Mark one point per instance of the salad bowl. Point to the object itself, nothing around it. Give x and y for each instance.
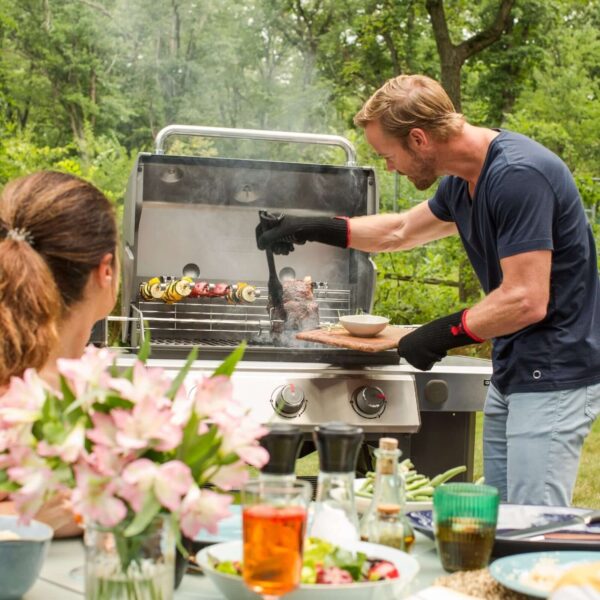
(232, 585)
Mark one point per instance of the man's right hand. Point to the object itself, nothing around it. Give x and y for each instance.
(282, 232)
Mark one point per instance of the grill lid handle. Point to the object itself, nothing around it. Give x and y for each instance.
(257, 134)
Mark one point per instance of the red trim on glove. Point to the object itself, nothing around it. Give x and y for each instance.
(467, 330)
(347, 219)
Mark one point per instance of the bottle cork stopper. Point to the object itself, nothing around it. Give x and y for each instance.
(388, 509)
(386, 443)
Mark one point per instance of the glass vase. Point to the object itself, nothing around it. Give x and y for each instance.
(139, 567)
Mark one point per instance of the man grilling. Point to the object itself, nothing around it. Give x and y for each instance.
(520, 218)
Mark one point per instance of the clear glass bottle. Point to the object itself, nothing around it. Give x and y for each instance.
(389, 484)
(283, 443)
(335, 518)
(391, 528)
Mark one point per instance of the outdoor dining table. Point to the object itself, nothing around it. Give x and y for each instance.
(62, 574)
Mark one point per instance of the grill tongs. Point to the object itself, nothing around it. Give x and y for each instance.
(278, 312)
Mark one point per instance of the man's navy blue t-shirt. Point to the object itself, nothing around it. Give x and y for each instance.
(526, 200)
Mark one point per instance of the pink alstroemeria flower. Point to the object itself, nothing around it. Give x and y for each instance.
(23, 400)
(107, 461)
(146, 383)
(94, 497)
(231, 477)
(148, 424)
(104, 431)
(70, 449)
(87, 376)
(183, 404)
(203, 509)
(213, 395)
(36, 478)
(169, 482)
(241, 436)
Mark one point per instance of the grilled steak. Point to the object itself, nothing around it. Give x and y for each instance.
(301, 310)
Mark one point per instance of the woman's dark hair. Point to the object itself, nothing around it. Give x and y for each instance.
(54, 230)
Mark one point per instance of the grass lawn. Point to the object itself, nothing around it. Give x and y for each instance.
(587, 489)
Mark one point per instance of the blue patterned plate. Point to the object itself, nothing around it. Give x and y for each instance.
(513, 516)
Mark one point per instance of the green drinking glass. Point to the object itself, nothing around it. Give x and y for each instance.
(465, 517)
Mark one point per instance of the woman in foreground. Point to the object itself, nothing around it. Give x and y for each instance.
(58, 276)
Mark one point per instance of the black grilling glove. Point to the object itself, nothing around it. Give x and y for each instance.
(281, 232)
(429, 343)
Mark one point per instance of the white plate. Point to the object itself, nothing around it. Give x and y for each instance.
(362, 503)
(515, 572)
(233, 588)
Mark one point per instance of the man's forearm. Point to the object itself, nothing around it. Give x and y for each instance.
(503, 312)
(403, 231)
(377, 233)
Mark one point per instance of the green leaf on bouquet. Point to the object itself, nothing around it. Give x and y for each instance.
(149, 510)
(196, 449)
(176, 384)
(202, 458)
(228, 459)
(53, 432)
(145, 348)
(6, 485)
(68, 397)
(227, 367)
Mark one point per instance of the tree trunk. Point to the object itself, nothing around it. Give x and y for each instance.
(453, 56)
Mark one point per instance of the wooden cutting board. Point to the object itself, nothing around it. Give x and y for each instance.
(386, 340)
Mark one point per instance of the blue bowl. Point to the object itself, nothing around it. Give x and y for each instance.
(21, 560)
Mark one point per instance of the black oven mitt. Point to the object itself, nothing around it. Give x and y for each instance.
(428, 344)
(282, 232)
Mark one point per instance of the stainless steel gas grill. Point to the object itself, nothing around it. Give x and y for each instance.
(195, 217)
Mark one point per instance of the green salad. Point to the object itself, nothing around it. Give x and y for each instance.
(326, 563)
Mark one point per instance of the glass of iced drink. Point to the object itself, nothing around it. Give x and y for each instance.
(465, 517)
(274, 525)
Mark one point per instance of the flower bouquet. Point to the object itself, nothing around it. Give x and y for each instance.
(142, 458)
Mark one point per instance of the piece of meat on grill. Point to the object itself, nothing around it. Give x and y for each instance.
(300, 307)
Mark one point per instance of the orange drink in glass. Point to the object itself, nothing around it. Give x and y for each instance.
(274, 524)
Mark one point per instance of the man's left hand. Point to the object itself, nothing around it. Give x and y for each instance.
(428, 344)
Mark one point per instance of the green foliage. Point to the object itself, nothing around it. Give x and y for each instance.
(84, 86)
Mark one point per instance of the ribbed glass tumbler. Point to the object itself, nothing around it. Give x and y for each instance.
(465, 517)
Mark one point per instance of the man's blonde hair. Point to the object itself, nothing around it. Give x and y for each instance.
(410, 101)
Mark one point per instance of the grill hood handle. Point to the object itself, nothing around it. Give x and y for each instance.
(257, 134)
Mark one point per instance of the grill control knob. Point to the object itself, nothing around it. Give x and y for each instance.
(368, 401)
(289, 401)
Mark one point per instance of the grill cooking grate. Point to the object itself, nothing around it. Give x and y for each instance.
(215, 323)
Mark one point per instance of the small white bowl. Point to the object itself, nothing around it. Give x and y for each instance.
(364, 325)
(233, 587)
